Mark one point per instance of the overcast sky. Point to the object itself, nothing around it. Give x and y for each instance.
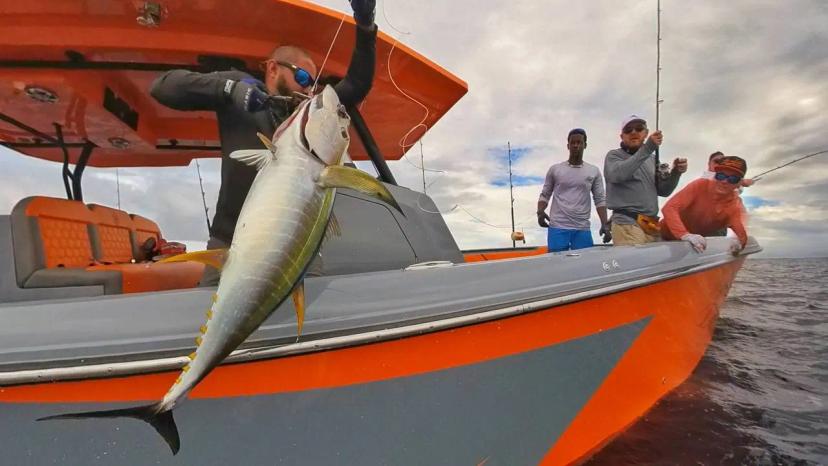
(744, 77)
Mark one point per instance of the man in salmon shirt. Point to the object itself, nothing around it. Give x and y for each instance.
(707, 205)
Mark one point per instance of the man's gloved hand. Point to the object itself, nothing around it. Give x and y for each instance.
(606, 233)
(735, 246)
(697, 241)
(543, 219)
(249, 95)
(364, 12)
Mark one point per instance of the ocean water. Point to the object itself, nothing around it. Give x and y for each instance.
(760, 394)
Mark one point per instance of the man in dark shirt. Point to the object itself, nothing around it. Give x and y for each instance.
(243, 109)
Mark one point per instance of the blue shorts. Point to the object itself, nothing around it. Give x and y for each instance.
(559, 239)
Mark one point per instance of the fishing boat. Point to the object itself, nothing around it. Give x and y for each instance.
(413, 351)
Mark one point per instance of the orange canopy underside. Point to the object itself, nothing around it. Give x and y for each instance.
(110, 107)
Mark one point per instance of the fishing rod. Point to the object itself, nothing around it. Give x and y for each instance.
(422, 165)
(658, 99)
(757, 177)
(118, 187)
(203, 196)
(658, 65)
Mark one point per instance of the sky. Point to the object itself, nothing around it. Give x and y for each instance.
(744, 77)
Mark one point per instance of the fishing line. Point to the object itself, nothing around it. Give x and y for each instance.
(420, 206)
(479, 220)
(403, 142)
(328, 54)
(390, 24)
(758, 177)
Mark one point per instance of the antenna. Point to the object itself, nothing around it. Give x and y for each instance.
(511, 191)
(203, 198)
(118, 187)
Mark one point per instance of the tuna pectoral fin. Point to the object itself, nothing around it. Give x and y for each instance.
(213, 257)
(162, 422)
(338, 176)
(299, 304)
(254, 158)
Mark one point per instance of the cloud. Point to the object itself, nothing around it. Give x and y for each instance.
(752, 202)
(744, 77)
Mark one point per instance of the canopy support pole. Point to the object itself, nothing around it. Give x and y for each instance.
(67, 174)
(80, 166)
(371, 147)
(73, 188)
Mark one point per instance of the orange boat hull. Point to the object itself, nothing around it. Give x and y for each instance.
(670, 322)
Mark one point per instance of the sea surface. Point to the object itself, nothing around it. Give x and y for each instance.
(760, 394)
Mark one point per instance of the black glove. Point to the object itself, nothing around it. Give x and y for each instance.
(364, 12)
(606, 232)
(543, 219)
(248, 95)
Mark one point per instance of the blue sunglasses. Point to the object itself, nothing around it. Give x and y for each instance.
(732, 179)
(300, 75)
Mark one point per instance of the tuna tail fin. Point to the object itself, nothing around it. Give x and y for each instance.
(161, 421)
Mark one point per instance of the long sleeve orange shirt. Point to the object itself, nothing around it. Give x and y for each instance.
(698, 209)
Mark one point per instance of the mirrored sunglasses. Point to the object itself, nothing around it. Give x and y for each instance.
(636, 128)
(732, 179)
(300, 75)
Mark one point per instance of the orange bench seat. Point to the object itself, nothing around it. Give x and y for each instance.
(59, 243)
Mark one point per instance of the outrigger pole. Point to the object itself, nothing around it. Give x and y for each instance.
(511, 191)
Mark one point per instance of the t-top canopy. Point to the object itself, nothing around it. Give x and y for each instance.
(80, 72)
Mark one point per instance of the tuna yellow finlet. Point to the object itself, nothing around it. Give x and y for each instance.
(198, 340)
(203, 329)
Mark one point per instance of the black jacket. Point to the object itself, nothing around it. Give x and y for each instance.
(186, 90)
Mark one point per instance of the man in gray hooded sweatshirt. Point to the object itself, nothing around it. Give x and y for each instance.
(633, 186)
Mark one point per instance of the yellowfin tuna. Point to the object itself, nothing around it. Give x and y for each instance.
(278, 233)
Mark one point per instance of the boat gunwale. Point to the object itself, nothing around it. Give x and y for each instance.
(163, 364)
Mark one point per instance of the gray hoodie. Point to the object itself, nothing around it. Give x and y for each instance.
(631, 184)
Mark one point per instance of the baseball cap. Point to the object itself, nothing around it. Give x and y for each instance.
(631, 119)
(732, 165)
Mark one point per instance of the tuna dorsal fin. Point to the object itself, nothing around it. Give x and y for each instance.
(266, 141)
(213, 257)
(161, 421)
(338, 176)
(258, 158)
(299, 304)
